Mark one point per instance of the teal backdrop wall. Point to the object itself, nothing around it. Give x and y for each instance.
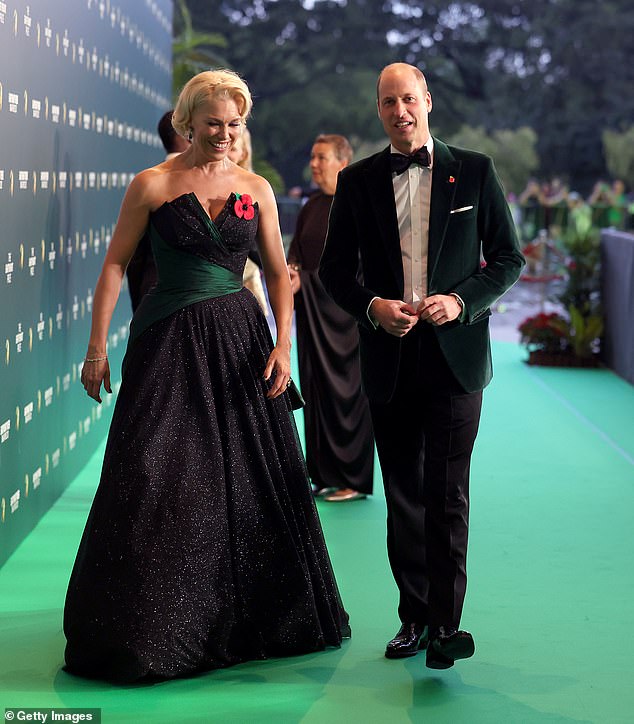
(83, 84)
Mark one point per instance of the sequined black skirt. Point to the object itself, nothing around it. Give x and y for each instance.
(203, 547)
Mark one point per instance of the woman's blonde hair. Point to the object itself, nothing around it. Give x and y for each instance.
(221, 83)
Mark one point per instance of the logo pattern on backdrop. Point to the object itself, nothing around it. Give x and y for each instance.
(82, 86)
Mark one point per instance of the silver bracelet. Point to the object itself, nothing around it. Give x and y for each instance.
(95, 359)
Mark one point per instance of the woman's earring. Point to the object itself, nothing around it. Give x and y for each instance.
(190, 135)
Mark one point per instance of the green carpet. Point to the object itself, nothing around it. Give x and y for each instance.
(550, 590)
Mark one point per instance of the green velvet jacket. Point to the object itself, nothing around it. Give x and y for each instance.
(363, 226)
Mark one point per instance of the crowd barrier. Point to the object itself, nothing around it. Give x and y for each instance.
(617, 290)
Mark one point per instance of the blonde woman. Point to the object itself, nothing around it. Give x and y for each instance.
(203, 548)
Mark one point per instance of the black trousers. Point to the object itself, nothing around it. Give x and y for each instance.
(425, 438)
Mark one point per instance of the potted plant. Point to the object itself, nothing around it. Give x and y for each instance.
(545, 337)
(572, 340)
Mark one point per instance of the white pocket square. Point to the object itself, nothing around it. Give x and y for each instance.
(462, 208)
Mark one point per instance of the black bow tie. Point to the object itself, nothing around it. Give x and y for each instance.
(401, 163)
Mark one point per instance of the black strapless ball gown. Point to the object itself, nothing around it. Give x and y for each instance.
(203, 547)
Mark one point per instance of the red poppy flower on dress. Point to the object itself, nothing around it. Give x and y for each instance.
(244, 207)
(452, 180)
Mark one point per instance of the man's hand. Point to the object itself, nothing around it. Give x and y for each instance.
(439, 309)
(395, 317)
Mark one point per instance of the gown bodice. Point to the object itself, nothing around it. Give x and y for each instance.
(185, 226)
(197, 258)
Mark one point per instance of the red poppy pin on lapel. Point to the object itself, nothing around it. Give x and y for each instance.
(452, 180)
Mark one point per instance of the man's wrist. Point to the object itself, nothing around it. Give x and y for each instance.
(369, 314)
(460, 301)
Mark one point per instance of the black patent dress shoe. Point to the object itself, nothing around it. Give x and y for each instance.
(322, 492)
(410, 639)
(448, 645)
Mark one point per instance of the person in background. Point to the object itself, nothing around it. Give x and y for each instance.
(555, 206)
(618, 205)
(203, 546)
(338, 426)
(600, 199)
(531, 204)
(579, 212)
(241, 153)
(419, 215)
(173, 143)
(141, 271)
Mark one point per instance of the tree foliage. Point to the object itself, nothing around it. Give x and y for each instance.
(561, 67)
(192, 51)
(512, 151)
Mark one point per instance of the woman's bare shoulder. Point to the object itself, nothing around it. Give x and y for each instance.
(151, 186)
(257, 187)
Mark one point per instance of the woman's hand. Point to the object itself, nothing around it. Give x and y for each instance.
(93, 374)
(296, 281)
(278, 367)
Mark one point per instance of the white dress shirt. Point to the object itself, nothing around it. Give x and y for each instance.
(412, 195)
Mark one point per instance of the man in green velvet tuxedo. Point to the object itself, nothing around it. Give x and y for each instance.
(437, 245)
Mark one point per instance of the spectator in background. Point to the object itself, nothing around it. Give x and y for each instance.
(601, 200)
(339, 438)
(555, 202)
(555, 192)
(618, 205)
(579, 212)
(531, 202)
(600, 194)
(173, 143)
(141, 271)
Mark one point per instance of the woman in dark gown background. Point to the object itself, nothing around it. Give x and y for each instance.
(203, 547)
(339, 437)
